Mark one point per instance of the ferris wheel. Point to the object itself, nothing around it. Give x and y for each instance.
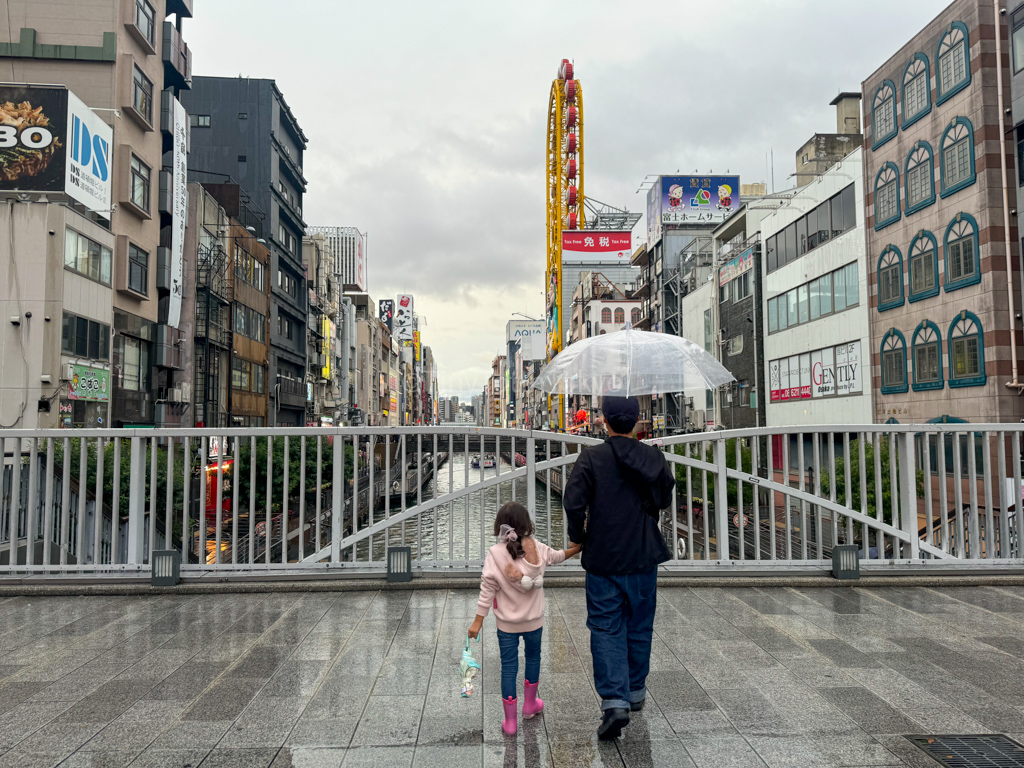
(565, 188)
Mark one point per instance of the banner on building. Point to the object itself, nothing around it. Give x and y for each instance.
(693, 200)
(654, 214)
(403, 318)
(416, 346)
(394, 402)
(829, 372)
(360, 261)
(386, 311)
(179, 205)
(383, 386)
(328, 335)
(52, 143)
(89, 384)
(530, 336)
(742, 263)
(584, 246)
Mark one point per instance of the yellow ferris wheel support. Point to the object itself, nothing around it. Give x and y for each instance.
(564, 197)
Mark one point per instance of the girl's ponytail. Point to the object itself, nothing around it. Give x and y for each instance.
(511, 525)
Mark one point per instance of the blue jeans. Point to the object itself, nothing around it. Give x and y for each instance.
(508, 645)
(620, 617)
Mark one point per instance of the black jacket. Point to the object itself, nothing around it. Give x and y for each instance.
(612, 502)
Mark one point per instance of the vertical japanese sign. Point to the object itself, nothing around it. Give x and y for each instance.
(360, 262)
(403, 318)
(179, 205)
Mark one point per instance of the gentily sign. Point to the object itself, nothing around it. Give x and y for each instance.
(52, 143)
(830, 372)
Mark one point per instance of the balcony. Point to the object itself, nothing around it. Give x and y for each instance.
(217, 334)
(291, 392)
(181, 7)
(177, 58)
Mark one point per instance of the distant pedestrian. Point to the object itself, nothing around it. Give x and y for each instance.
(513, 581)
(612, 503)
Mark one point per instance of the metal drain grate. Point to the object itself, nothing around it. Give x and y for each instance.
(983, 751)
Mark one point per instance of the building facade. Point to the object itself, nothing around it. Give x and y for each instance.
(243, 130)
(941, 257)
(349, 244)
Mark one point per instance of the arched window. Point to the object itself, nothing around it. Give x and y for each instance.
(890, 278)
(952, 62)
(620, 315)
(894, 363)
(927, 357)
(957, 152)
(887, 196)
(606, 315)
(883, 114)
(917, 92)
(924, 269)
(961, 249)
(634, 316)
(966, 351)
(919, 177)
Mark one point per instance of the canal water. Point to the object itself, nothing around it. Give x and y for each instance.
(453, 531)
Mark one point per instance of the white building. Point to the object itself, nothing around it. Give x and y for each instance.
(349, 245)
(815, 303)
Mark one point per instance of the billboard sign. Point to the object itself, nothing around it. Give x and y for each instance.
(580, 246)
(830, 372)
(416, 346)
(179, 204)
(530, 335)
(403, 318)
(698, 199)
(51, 142)
(89, 384)
(386, 312)
(654, 213)
(736, 267)
(360, 262)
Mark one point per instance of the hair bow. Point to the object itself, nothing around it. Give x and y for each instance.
(507, 533)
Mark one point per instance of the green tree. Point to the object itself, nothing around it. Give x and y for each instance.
(746, 464)
(874, 504)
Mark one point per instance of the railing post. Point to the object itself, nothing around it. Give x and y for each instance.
(337, 511)
(908, 492)
(721, 501)
(531, 476)
(136, 497)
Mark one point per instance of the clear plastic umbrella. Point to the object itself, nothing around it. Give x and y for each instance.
(632, 363)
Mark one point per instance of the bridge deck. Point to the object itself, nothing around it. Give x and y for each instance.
(772, 677)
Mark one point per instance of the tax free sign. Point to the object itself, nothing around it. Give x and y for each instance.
(52, 143)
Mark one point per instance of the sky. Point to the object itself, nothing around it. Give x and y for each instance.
(426, 121)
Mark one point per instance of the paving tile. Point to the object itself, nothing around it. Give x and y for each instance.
(239, 758)
(799, 752)
(301, 757)
(447, 756)
(19, 758)
(389, 721)
(100, 759)
(722, 752)
(655, 753)
(191, 735)
(376, 757)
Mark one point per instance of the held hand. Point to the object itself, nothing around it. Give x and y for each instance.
(474, 629)
(573, 550)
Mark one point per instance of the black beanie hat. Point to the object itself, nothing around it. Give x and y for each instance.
(621, 412)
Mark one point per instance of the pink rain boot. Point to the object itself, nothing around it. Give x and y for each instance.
(532, 706)
(509, 724)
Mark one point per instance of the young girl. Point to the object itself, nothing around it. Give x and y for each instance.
(513, 582)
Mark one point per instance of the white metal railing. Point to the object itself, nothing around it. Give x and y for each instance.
(316, 500)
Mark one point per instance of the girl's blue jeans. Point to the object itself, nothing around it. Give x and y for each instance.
(508, 645)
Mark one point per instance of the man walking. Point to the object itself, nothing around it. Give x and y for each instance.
(612, 502)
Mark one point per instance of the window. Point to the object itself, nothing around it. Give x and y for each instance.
(832, 292)
(801, 236)
(1017, 39)
(773, 315)
(606, 315)
(138, 270)
(916, 90)
(741, 286)
(824, 224)
(894, 363)
(953, 72)
(140, 183)
(962, 252)
(634, 316)
(620, 315)
(927, 347)
(887, 196)
(86, 338)
(132, 367)
(87, 257)
(957, 156)
(142, 95)
(794, 308)
(890, 278)
(802, 301)
(771, 247)
(708, 332)
(825, 300)
(920, 177)
(199, 121)
(883, 114)
(145, 20)
(924, 273)
(966, 352)
(734, 346)
(849, 206)
(852, 284)
(250, 270)
(839, 291)
(284, 326)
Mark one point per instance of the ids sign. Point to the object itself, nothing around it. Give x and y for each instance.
(52, 143)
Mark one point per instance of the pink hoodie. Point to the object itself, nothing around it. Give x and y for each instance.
(515, 609)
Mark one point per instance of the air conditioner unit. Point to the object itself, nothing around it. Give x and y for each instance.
(68, 372)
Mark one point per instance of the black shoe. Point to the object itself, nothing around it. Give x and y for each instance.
(614, 721)
(636, 706)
